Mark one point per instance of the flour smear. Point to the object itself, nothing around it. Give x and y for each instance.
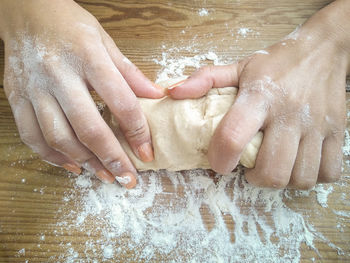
(194, 216)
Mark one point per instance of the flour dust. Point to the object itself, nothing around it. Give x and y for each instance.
(190, 216)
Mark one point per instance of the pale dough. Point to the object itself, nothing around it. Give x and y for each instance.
(181, 130)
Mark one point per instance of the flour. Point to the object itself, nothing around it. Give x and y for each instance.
(108, 252)
(342, 213)
(123, 180)
(261, 52)
(322, 194)
(22, 251)
(203, 12)
(346, 147)
(293, 35)
(169, 225)
(243, 31)
(175, 67)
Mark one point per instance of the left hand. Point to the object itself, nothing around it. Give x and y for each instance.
(295, 93)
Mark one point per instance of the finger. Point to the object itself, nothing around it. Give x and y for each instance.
(32, 136)
(91, 129)
(137, 81)
(307, 163)
(236, 130)
(95, 167)
(331, 160)
(113, 89)
(60, 136)
(206, 78)
(276, 158)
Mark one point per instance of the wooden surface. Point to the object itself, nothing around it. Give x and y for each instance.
(143, 30)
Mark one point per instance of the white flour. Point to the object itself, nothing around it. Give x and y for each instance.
(203, 12)
(243, 31)
(155, 222)
(176, 66)
(193, 217)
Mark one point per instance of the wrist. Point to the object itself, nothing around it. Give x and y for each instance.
(21, 15)
(13, 13)
(330, 28)
(5, 7)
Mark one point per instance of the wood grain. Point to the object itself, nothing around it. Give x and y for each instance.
(143, 30)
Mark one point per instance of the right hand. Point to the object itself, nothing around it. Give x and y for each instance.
(294, 92)
(54, 52)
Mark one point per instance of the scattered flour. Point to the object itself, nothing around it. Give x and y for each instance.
(123, 180)
(346, 147)
(170, 225)
(293, 35)
(22, 251)
(322, 194)
(243, 31)
(262, 52)
(175, 67)
(203, 12)
(342, 213)
(108, 251)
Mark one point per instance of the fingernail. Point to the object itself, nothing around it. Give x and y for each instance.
(145, 152)
(127, 179)
(105, 176)
(72, 168)
(177, 84)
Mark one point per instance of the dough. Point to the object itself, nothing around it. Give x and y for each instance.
(181, 130)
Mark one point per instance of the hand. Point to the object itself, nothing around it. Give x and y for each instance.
(295, 93)
(54, 52)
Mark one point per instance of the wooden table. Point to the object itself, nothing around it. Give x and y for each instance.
(143, 30)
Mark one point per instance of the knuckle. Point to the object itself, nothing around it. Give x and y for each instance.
(115, 165)
(137, 131)
(91, 133)
(130, 109)
(206, 71)
(57, 140)
(277, 182)
(236, 145)
(88, 49)
(82, 159)
(28, 138)
(337, 110)
(14, 97)
(232, 139)
(130, 68)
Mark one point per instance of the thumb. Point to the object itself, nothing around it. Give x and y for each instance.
(204, 79)
(137, 81)
(236, 130)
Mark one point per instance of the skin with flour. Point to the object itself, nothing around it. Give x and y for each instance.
(54, 52)
(295, 92)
